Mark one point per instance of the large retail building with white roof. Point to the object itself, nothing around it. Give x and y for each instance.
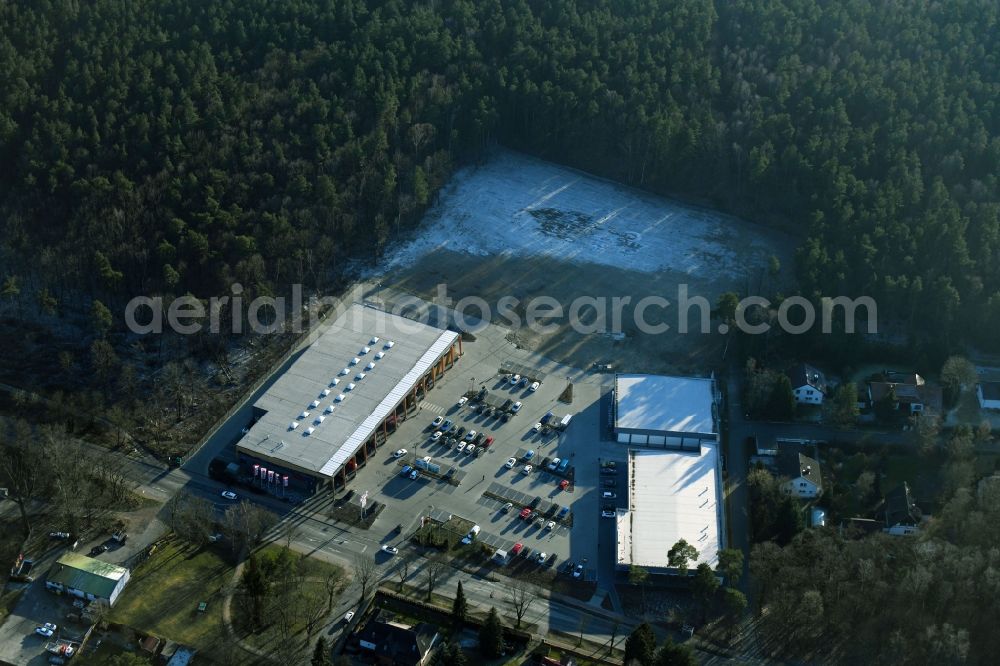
(324, 417)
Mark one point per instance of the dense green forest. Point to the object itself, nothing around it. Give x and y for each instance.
(175, 146)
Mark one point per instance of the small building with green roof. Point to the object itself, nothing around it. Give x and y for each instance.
(87, 578)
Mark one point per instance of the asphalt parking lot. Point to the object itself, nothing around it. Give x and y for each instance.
(484, 478)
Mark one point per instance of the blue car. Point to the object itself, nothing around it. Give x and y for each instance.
(563, 512)
(446, 426)
(529, 455)
(406, 470)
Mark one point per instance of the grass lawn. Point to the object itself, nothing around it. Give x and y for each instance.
(163, 595)
(99, 657)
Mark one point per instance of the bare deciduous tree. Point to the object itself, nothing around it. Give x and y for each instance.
(403, 572)
(364, 571)
(520, 595)
(433, 570)
(20, 472)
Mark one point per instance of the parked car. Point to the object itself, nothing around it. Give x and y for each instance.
(608, 512)
(470, 449)
(534, 387)
(530, 454)
(97, 550)
(59, 535)
(506, 507)
(406, 470)
(516, 550)
(462, 401)
(563, 512)
(229, 495)
(436, 423)
(536, 428)
(392, 550)
(399, 453)
(608, 483)
(461, 446)
(542, 556)
(525, 513)
(446, 426)
(564, 484)
(506, 404)
(523, 382)
(348, 616)
(436, 436)
(489, 440)
(551, 525)
(505, 417)
(471, 435)
(511, 462)
(608, 495)
(554, 464)
(578, 571)
(515, 379)
(414, 474)
(526, 469)
(46, 630)
(516, 407)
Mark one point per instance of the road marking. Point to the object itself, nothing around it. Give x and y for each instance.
(431, 407)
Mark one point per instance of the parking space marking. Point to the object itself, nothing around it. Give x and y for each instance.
(431, 407)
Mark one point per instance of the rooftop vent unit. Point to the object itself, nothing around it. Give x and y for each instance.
(370, 366)
(379, 355)
(293, 425)
(304, 415)
(350, 387)
(319, 419)
(365, 350)
(310, 430)
(389, 344)
(325, 392)
(373, 340)
(340, 398)
(344, 371)
(334, 382)
(355, 360)
(329, 409)
(359, 376)
(314, 404)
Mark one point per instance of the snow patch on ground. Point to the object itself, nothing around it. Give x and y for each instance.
(518, 206)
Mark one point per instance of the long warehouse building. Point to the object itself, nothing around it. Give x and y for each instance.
(326, 415)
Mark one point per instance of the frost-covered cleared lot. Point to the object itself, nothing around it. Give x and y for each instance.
(520, 206)
(523, 228)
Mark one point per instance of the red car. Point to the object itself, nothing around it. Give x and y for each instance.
(516, 549)
(525, 513)
(564, 484)
(486, 444)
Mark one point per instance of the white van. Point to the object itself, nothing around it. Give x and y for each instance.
(500, 557)
(471, 536)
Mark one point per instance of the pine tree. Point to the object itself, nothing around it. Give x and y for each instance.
(459, 607)
(321, 655)
(640, 646)
(491, 636)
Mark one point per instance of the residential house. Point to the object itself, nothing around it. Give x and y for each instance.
(808, 384)
(87, 578)
(393, 644)
(989, 395)
(902, 515)
(801, 473)
(908, 391)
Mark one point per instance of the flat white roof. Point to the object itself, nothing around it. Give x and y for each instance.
(664, 404)
(326, 381)
(673, 495)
